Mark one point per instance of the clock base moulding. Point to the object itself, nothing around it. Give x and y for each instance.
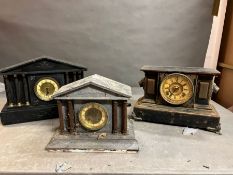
(16, 115)
(195, 118)
(94, 142)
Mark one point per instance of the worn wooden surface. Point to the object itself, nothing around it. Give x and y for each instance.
(163, 150)
(191, 117)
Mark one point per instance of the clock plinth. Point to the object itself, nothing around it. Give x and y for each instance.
(94, 142)
(27, 113)
(207, 119)
(178, 96)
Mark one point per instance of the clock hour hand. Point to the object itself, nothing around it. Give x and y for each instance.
(47, 91)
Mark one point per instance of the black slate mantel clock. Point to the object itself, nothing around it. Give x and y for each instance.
(30, 85)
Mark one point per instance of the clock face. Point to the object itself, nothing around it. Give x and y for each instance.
(93, 116)
(45, 88)
(176, 89)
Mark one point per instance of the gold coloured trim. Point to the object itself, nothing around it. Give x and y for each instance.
(100, 116)
(45, 94)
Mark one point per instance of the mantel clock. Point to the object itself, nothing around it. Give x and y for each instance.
(178, 96)
(30, 85)
(93, 117)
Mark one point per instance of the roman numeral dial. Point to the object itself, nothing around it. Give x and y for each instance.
(176, 89)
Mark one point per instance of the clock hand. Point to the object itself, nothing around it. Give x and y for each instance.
(170, 94)
(47, 91)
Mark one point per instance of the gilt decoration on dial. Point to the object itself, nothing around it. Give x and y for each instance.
(176, 89)
(45, 88)
(93, 116)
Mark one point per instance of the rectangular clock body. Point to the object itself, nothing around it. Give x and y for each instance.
(30, 85)
(178, 96)
(93, 116)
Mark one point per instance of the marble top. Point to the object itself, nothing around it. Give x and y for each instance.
(99, 81)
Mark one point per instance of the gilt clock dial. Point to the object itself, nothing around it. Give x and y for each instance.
(176, 89)
(45, 88)
(93, 116)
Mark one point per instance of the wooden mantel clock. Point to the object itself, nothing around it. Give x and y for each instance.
(178, 96)
(93, 117)
(30, 85)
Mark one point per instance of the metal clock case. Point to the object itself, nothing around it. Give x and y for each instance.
(30, 85)
(93, 116)
(178, 96)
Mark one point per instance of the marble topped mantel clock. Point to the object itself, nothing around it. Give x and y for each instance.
(178, 96)
(93, 116)
(30, 85)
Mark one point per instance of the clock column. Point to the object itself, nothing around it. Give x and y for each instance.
(74, 76)
(67, 77)
(114, 117)
(25, 85)
(82, 74)
(71, 115)
(60, 113)
(124, 117)
(18, 91)
(78, 75)
(9, 91)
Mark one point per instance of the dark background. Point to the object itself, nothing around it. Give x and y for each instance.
(113, 38)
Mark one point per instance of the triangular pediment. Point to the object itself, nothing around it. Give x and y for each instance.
(43, 63)
(91, 92)
(97, 81)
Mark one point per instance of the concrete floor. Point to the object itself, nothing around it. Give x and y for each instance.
(163, 149)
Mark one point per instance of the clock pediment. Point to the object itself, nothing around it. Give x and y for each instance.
(92, 92)
(41, 64)
(94, 87)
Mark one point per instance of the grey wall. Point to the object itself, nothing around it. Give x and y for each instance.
(113, 38)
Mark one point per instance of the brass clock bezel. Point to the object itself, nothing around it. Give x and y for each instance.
(87, 125)
(39, 94)
(173, 101)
